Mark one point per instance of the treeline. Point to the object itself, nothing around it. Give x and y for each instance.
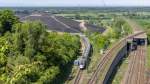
(29, 54)
(137, 15)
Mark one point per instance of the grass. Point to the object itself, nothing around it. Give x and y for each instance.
(145, 23)
(120, 71)
(92, 14)
(81, 14)
(96, 58)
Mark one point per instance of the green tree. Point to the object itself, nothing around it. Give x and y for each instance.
(148, 35)
(7, 20)
(29, 54)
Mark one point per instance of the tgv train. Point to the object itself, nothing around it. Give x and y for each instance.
(82, 60)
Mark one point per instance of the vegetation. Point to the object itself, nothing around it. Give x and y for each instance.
(117, 30)
(100, 42)
(120, 71)
(89, 17)
(143, 20)
(7, 20)
(29, 54)
(146, 26)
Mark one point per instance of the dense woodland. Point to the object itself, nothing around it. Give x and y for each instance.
(29, 54)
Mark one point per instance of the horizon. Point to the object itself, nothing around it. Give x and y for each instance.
(74, 3)
(76, 6)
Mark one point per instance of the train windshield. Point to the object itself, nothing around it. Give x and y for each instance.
(82, 62)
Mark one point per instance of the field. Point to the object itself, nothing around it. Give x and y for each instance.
(144, 22)
(92, 17)
(61, 24)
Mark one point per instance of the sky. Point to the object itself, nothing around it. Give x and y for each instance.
(74, 3)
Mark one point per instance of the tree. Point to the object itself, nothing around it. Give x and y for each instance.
(77, 16)
(29, 54)
(7, 20)
(148, 35)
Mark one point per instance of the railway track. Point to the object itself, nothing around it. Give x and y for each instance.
(132, 63)
(135, 73)
(104, 61)
(103, 64)
(78, 77)
(85, 53)
(107, 57)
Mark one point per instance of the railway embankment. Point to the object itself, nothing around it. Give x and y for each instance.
(121, 53)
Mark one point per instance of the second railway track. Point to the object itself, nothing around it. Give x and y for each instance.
(103, 62)
(135, 73)
(78, 77)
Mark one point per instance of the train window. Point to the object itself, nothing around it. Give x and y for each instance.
(82, 62)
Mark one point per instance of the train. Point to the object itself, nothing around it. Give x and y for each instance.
(82, 60)
(134, 46)
(137, 42)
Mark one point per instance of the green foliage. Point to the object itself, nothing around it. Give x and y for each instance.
(3, 51)
(29, 54)
(148, 35)
(77, 16)
(98, 40)
(121, 27)
(117, 29)
(49, 74)
(145, 23)
(7, 20)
